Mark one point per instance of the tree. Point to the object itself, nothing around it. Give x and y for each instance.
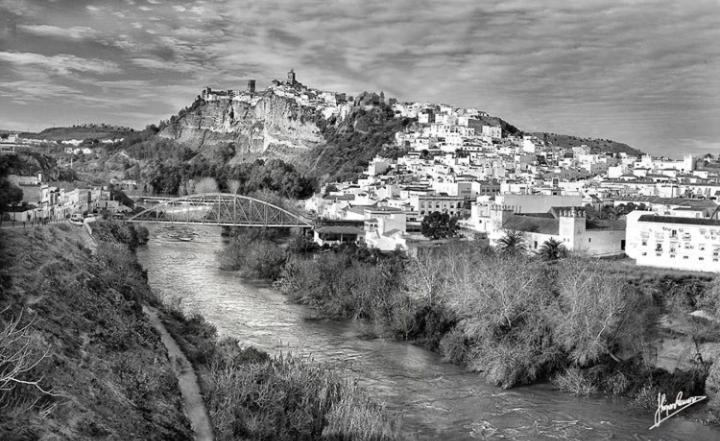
(18, 359)
(512, 244)
(9, 194)
(552, 250)
(438, 225)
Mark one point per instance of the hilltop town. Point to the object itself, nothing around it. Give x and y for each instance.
(489, 177)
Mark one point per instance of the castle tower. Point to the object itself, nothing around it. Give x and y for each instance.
(382, 97)
(251, 86)
(291, 77)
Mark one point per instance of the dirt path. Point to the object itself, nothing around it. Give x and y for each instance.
(194, 405)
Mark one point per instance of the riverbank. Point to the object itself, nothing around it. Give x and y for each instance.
(86, 362)
(251, 395)
(581, 324)
(92, 364)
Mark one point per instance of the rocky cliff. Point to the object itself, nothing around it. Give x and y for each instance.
(260, 124)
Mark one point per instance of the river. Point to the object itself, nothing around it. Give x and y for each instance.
(435, 400)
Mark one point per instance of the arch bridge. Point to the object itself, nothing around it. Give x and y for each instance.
(223, 209)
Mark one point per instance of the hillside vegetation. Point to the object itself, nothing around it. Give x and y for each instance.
(596, 145)
(85, 362)
(354, 141)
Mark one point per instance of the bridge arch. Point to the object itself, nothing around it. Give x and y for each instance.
(224, 209)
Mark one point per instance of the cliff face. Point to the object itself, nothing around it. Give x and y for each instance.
(258, 125)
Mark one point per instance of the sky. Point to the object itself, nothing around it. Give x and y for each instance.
(646, 73)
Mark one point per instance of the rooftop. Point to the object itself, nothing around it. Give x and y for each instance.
(678, 220)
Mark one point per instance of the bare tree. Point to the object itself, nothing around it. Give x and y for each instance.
(18, 358)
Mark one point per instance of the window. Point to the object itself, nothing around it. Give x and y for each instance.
(644, 242)
(658, 247)
(673, 233)
(589, 239)
(685, 257)
(535, 244)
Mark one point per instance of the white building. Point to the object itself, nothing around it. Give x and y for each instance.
(386, 229)
(673, 242)
(567, 225)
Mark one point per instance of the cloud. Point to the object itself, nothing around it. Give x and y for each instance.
(72, 33)
(643, 72)
(155, 64)
(61, 64)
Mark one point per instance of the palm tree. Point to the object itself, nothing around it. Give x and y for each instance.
(512, 244)
(552, 250)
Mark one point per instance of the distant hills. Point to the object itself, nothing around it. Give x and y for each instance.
(596, 145)
(85, 131)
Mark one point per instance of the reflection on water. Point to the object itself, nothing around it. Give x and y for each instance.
(435, 399)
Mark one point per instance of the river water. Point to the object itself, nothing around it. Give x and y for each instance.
(435, 400)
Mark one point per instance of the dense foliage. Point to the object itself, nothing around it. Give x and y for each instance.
(438, 225)
(274, 175)
(9, 194)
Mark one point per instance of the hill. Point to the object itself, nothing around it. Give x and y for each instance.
(325, 136)
(596, 145)
(85, 131)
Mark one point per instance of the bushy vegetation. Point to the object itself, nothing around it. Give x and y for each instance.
(125, 233)
(512, 318)
(256, 256)
(9, 194)
(596, 145)
(91, 363)
(276, 176)
(438, 225)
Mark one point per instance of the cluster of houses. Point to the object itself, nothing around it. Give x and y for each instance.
(658, 211)
(45, 203)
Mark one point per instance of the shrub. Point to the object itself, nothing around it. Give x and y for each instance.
(574, 381)
(255, 257)
(287, 398)
(455, 347)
